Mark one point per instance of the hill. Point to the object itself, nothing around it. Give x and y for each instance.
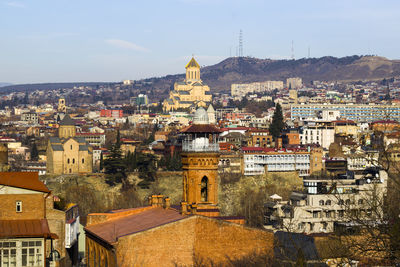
(245, 69)
(4, 84)
(47, 86)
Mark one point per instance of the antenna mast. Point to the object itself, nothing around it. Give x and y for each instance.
(292, 49)
(240, 43)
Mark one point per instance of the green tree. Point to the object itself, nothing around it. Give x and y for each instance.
(34, 152)
(114, 165)
(277, 124)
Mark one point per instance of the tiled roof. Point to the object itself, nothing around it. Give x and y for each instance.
(25, 228)
(113, 229)
(26, 180)
(67, 121)
(57, 147)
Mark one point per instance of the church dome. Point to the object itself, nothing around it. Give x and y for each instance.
(200, 116)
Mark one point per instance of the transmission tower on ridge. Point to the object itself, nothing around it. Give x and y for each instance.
(292, 49)
(240, 43)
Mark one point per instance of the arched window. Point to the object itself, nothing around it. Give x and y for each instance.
(341, 202)
(68, 161)
(83, 160)
(321, 202)
(73, 161)
(204, 189)
(328, 203)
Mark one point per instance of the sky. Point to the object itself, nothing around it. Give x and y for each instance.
(102, 40)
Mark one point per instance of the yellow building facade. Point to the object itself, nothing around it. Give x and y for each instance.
(191, 92)
(68, 154)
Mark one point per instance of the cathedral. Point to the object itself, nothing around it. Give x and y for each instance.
(68, 154)
(190, 93)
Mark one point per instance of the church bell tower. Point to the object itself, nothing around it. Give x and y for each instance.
(200, 158)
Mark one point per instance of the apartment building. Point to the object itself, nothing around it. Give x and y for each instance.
(356, 112)
(322, 134)
(257, 87)
(94, 139)
(328, 203)
(258, 160)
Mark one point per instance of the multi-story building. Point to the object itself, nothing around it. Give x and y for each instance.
(31, 229)
(111, 113)
(256, 87)
(328, 203)
(257, 160)
(356, 112)
(294, 83)
(31, 117)
(94, 139)
(322, 134)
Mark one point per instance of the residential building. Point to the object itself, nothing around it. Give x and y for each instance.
(322, 134)
(111, 113)
(241, 90)
(326, 203)
(356, 112)
(294, 83)
(31, 229)
(93, 139)
(31, 117)
(258, 160)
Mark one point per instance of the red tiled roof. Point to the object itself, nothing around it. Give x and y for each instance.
(26, 180)
(113, 229)
(25, 228)
(201, 128)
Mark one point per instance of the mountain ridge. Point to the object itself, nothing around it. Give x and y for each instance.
(220, 76)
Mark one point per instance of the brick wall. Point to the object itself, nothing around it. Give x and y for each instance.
(183, 242)
(33, 206)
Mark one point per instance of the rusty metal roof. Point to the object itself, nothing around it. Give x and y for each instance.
(113, 229)
(26, 180)
(25, 228)
(201, 128)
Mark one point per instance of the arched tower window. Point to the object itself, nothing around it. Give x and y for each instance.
(204, 189)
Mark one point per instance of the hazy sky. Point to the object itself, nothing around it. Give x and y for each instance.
(103, 40)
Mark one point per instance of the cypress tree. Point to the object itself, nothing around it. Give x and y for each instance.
(277, 124)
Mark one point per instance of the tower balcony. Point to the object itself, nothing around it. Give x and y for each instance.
(192, 146)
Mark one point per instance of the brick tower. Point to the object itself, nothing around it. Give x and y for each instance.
(200, 166)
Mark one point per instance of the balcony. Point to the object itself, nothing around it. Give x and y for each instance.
(191, 146)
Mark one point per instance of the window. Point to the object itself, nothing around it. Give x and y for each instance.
(83, 160)
(311, 227)
(321, 202)
(18, 206)
(71, 147)
(28, 251)
(73, 161)
(328, 203)
(315, 215)
(360, 202)
(341, 213)
(204, 189)
(68, 161)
